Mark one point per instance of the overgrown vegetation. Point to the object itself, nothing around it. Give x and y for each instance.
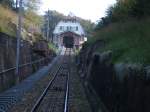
(8, 20)
(129, 41)
(122, 87)
(124, 10)
(125, 30)
(53, 47)
(9, 17)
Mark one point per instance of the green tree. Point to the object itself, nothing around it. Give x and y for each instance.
(8, 3)
(32, 5)
(141, 8)
(87, 25)
(54, 17)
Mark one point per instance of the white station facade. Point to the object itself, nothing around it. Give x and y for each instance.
(69, 33)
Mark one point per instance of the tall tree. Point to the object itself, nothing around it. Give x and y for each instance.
(51, 17)
(32, 5)
(141, 8)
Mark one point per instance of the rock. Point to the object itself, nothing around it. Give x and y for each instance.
(123, 87)
(121, 71)
(96, 58)
(135, 69)
(106, 57)
(147, 70)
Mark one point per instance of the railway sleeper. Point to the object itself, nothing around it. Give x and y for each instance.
(65, 71)
(57, 88)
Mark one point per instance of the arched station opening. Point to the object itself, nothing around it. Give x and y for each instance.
(68, 41)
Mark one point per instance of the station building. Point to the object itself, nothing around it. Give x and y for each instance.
(69, 33)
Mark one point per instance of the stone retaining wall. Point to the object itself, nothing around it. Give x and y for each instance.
(122, 87)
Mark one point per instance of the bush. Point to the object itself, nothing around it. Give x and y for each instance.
(128, 40)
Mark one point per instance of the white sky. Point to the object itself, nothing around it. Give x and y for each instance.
(87, 9)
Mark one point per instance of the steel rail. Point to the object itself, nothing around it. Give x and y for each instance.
(40, 99)
(67, 89)
(67, 94)
(23, 65)
(35, 107)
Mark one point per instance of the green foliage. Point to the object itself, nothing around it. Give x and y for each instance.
(7, 3)
(125, 9)
(125, 30)
(52, 47)
(87, 25)
(141, 8)
(54, 18)
(32, 5)
(34, 18)
(128, 40)
(9, 21)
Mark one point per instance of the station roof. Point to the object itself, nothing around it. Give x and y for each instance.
(63, 26)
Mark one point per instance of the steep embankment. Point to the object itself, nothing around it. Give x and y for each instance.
(32, 48)
(114, 65)
(129, 41)
(9, 21)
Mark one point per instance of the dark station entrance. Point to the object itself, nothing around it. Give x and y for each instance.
(68, 41)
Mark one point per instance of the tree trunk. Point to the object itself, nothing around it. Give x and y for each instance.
(16, 4)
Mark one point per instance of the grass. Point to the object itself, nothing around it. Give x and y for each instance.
(9, 21)
(129, 41)
(52, 47)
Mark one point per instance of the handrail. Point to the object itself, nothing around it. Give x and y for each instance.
(20, 66)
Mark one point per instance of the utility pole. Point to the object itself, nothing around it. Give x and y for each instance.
(18, 40)
(48, 25)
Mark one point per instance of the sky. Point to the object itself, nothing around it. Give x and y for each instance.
(87, 9)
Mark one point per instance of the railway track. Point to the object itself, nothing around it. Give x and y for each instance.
(55, 96)
(12, 96)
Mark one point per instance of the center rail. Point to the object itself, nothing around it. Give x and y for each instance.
(42, 96)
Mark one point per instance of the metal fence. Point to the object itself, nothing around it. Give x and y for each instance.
(23, 65)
